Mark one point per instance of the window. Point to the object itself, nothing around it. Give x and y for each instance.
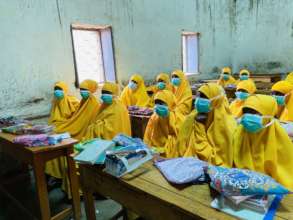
(93, 53)
(190, 52)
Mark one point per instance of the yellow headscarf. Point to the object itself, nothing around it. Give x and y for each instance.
(111, 119)
(84, 115)
(139, 97)
(268, 151)
(244, 71)
(231, 79)
(166, 79)
(236, 105)
(162, 132)
(285, 112)
(63, 109)
(153, 89)
(183, 94)
(289, 77)
(211, 141)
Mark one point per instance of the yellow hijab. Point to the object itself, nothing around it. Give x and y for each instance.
(236, 105)
(162, 132)
(153, 89)
(211, 141)
(166, 79)
(63, 109)
(268, 151)
(285, 112)
(138, 97)
(111, 119)
(183, 94)
(84, 115)
(231, 79)
(289, 77)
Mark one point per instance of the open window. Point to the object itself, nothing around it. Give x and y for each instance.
(93, 53)
(190, 52)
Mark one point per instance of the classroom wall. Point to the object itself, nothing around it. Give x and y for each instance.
(36, 45)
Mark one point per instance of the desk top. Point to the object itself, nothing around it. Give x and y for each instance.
(64, 144)
(193, 199)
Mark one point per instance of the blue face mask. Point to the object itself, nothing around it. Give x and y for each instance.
(225, 76)
(132, 85)
(107, 98)
(252, 122)
(202, 105)
(161, 110)
(59, 94)
(280, 99)
(176, 81)
(244, 77)
(161, 85)
(242, 95)
(84, 94)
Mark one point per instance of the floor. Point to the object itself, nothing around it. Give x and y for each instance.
(25, 193)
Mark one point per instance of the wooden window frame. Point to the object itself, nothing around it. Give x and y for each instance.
(91, 27)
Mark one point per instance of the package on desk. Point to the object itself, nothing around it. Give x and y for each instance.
(143, 111)
(183, 170)
(57, 138)
(121, 161)
(16, 129)
(7, 121)
(94, 151)
(288, 127)
(126, 141)
(32, 140)
(83, 144)
(39, 129)
(255, 207)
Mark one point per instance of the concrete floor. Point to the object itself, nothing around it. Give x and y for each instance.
(25, 193)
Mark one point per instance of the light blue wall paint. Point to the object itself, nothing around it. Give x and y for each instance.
(36, 46)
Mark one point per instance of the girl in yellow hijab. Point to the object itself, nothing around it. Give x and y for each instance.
(85, 113)
(207, 132)
(283, 93)
(151, 91)
(226, 78)
(261, 144)
(112, 117)
(244, 74)
(163, 126)
(182, 91)
(289, 77)
(163, 82)
(244, 89)
(135, 93)
(63, 105)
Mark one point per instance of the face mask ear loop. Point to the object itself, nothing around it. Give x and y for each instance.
(270, 123)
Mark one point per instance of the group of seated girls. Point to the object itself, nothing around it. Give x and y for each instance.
(245, 134)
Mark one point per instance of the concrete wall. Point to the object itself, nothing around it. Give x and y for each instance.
(36, 46)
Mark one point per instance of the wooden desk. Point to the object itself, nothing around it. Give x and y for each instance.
(138, 125)
(147, 193)
(37, 158)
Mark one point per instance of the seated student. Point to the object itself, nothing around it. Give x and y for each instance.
(135, 93)
(163, 82)
(244, 89)
(162, 128)
(226, 78)
(207, 132)
(289, 77)
(244, 74)
(261, 144)
(151, 90)
(85, 113)
(63, 105)
(112, 117)
(283, 93)
(182, 92)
